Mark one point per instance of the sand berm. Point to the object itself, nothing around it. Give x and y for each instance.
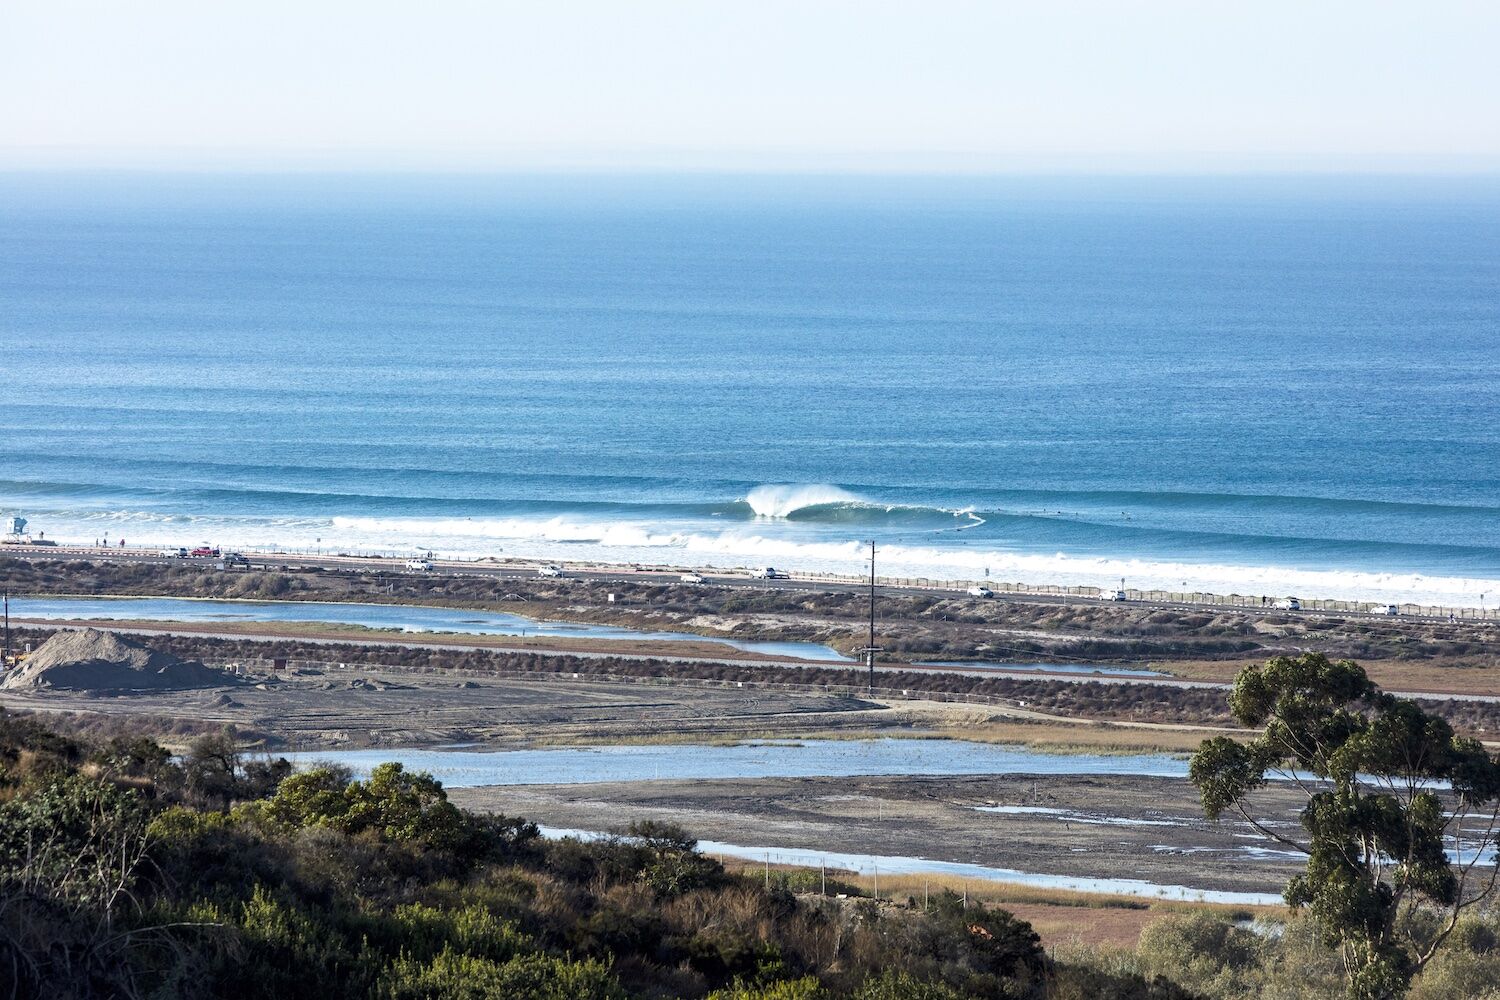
(91, 660)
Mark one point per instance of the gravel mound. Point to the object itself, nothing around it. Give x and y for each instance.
(92, 660)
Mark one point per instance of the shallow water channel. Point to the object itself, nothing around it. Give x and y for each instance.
(760, 759)
(405, 618)
(790, 759)
(884, 864)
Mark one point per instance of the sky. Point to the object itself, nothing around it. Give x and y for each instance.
(1107, 86)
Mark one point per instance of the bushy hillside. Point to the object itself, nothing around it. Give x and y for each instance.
(125, 872)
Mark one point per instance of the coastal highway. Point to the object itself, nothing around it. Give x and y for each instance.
(528, 569)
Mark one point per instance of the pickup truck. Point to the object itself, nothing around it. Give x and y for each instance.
(205, 552)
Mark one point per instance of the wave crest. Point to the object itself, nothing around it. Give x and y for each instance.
(784, 500)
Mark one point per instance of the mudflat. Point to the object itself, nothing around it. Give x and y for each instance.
(1151, 829)
(368, 706)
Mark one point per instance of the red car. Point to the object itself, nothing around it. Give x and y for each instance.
(204, 550)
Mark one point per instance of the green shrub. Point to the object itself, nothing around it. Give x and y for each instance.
(900, 986)
(452, 976)
(807, 988)
(1203, 952)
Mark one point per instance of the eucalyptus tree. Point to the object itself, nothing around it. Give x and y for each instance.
(1401, 818)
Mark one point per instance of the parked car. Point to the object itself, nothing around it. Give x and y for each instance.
(549, 571)
(205, 552)
(418, 566)
(236, 559)
(174, 553)
(978, 591)
(1112, 595)
(691, 578)
(1289, 604)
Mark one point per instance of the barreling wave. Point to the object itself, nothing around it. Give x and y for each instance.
(778, 500)
(835, 505)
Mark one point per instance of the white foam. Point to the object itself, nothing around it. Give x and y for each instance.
(783, 500)
(767, 541)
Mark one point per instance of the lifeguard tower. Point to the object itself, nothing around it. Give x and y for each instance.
(17, 534)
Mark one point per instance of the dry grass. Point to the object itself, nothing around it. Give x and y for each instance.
(1071, 927)
(1083, 737)
(1061, 917)
(1439, 675)
(1054, 733)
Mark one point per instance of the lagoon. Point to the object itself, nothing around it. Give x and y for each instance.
(397, 617)
(760, 759)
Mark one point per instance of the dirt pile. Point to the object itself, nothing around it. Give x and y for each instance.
(91, 660)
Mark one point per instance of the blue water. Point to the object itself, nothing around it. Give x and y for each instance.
(799, 759)
(1262, 386)
(1048, 668)
(384, 616)
(885, 864)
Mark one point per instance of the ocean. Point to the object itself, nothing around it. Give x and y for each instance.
(1274, 386)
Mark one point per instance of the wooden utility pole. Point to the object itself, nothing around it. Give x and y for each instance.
(871, 649)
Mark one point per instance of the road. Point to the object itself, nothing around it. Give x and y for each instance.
(528, 570)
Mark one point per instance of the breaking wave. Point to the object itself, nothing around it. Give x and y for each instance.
(749, 544)
(775, 500)
(812, 528)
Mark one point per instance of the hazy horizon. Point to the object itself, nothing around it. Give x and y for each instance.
(960, 88)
